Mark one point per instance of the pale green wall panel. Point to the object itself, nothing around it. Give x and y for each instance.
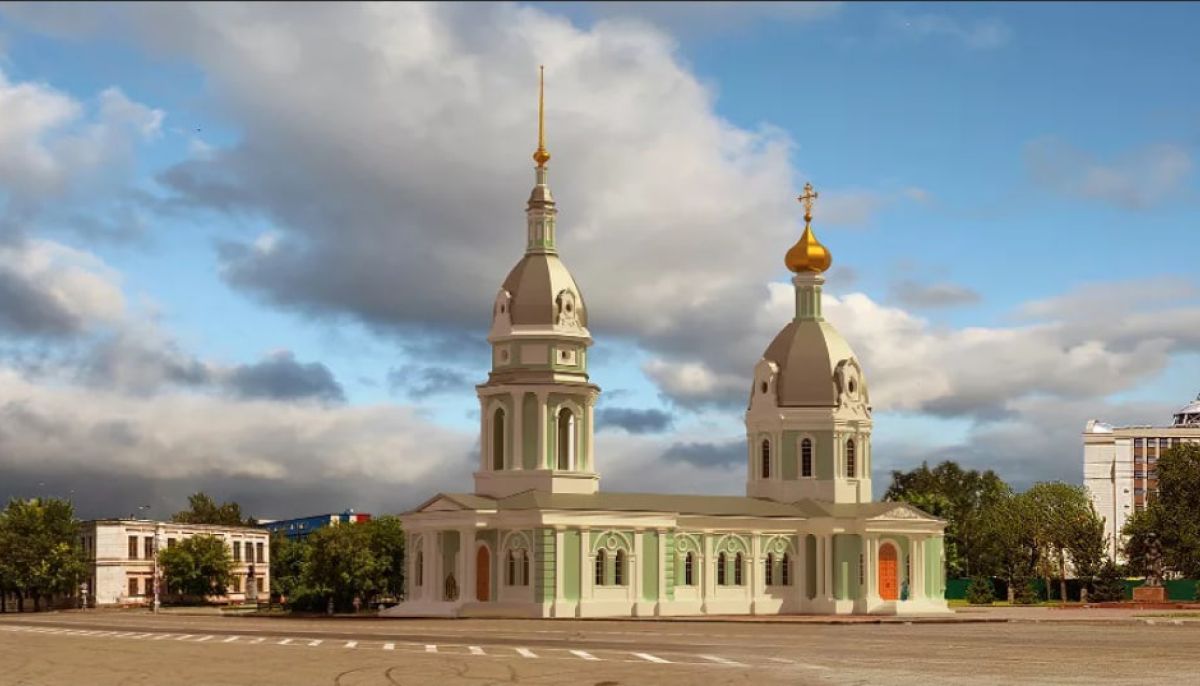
(649, 562)
(529, 423)
(846, 551)
(788, 452)
(572, 556)
(544, 560)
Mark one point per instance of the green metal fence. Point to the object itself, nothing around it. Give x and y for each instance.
(1178, 590)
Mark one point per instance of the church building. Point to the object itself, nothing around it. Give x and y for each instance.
(538, 538)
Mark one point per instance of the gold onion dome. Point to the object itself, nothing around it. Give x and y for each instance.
(541, 155)
(808, 255)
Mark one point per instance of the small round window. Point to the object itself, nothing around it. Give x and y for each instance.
(853, 386)
(568, 307)
(764, 387)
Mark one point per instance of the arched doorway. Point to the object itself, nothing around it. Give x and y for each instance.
(483, 574)
(888, 565)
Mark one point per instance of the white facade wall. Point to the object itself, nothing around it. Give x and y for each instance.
(106, 545)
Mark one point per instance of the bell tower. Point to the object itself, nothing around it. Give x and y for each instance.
(808, 423)
(537, 406)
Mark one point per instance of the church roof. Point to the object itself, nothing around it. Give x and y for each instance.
(535, 284)
(706, 505)
(807, 352)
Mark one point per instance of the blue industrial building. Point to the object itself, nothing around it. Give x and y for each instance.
(300, 527)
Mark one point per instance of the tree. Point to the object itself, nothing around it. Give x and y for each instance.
(287, 565)
(342, 566)
(1059, 512)
(959, 496)
(1109, 586)
(1008, 546)
(981, 591)
(387, 543)
(1087, 548)
(197, 567)
(1169, 522)
(39, 549)
(202, 509)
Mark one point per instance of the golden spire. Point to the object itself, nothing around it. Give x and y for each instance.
(808, 255)
(541, 155)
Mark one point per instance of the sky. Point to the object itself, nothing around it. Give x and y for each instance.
(252, 249)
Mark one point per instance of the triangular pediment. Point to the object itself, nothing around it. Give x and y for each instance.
(902, 511)
(455, 502)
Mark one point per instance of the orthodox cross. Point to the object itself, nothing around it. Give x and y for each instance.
(807, 198)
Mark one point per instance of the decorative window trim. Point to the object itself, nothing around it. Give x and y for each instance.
(812, 457)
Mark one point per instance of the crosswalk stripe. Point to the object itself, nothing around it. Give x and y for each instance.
(231, 639)
(525, 652)
(652, 658)
(286, 641)
(351, 644)
(431, 649)
(184, 637)
(584, 654)
(140, 636)
(161, 637)
(720, 660)
(315, 642)
(257, 640)
(202, 639)
(781, 660)
(476, 650)
(389, 646)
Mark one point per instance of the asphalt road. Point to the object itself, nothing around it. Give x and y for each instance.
(136, 648)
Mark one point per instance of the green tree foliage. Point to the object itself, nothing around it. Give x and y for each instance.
(202, 509)
(1058, 513)
(1170, 521)
(981, 591)
(1008, 548)
(39, 549)
(1109, 585)
(960, 497)
(344, 562)
(197, 567)
(287, 565)
(387, 543)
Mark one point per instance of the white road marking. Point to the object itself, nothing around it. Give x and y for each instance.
(584, 654)
(184, 637)
(202, 639)
(652, 658)
(286, 641)
(389, 646)
(431, 649)
(720, 660)
(525, 652)
(476, 650)
(315, 642)
(140, 636)
(161, 637)
(231, 639)
(257, 640)
(351, 644)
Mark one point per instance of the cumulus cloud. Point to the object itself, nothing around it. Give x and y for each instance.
(633, 420)
(417, 381)
(1136, 179)
(919, 295)
(707, 17)
(281, 377)
(50, 289)
(702, 454)
(52, 145)
(981, 34)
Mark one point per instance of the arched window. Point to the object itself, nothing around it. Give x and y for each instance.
(512, 568)
(785, 570)
(689, 569)
(806, 457)
(524, 567)
(850, 459)
(766, 459)
(770, 569)
(498, 439)
(601, 560)
(420, 568)
(566, 439)
(619, 569)
(721, 569)
(737, 569)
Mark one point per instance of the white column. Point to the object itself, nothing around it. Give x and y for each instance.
(541, 437)
(917, 592)
(559, 570)
(635, 569)
(708, 587)
(587, 565)
(483, 435)
(756, 576)
(590, 436)
(466, 551)
(662, 569)
(517, 456)
(828, 572)
(820, 567)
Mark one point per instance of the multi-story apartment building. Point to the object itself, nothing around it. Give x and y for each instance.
(122, 554)
(1119, 466)
(300, 527)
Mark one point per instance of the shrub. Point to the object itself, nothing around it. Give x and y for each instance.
(981, 591)
(1108, 585)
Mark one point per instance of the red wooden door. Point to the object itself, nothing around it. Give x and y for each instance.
(887, 572)
(483, 574)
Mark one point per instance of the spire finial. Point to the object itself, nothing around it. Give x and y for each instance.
(541, 155)
(808, 255)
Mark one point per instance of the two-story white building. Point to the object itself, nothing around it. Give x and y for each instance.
(122, 557)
